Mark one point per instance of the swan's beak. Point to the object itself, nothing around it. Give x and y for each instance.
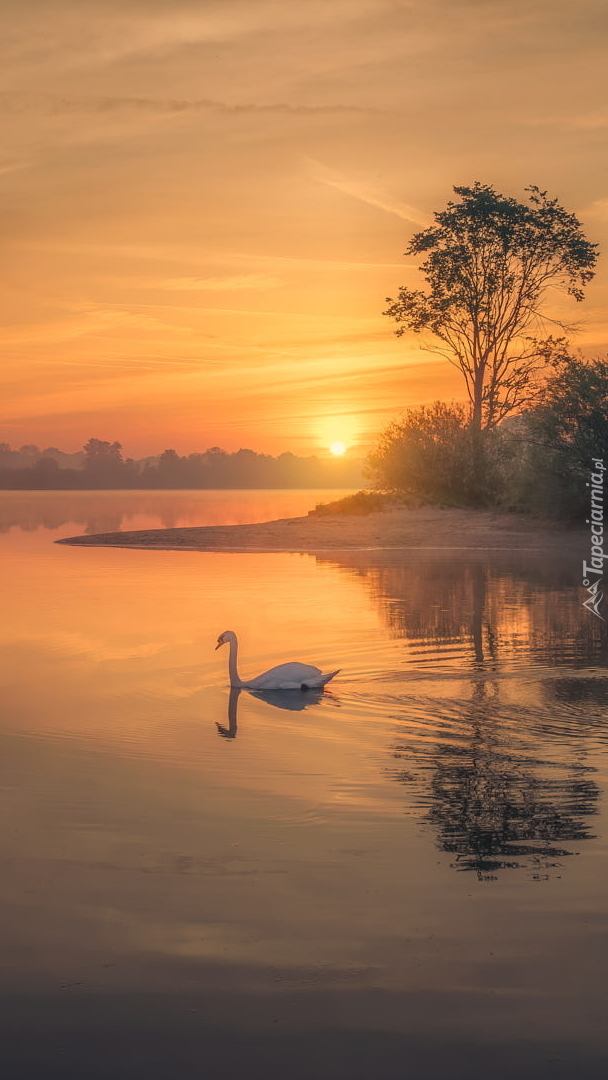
(218, 645)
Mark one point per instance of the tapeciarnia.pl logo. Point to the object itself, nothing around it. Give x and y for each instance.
(594, 570)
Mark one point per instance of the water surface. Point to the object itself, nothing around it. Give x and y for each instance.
(403, 876)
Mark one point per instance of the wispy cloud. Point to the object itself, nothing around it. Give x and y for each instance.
(597, 209)
(183, 253)
(13, 166)
(594, 120)
(218, 284)
(55, 104)
(360, 190)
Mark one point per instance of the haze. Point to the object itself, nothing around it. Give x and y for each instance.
(206, 203)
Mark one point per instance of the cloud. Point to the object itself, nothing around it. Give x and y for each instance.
(238, 282)
(55, 104)
(13, 166)
(372, 196)
(598, 209)
(595, 120)
(95, 35)
(170, 252)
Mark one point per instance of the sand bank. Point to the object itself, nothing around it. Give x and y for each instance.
(430, 528)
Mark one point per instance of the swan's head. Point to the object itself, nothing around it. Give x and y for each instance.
(225, 638)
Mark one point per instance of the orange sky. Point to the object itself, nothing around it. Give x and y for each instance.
(205, 203)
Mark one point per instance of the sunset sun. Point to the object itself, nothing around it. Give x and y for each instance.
(337, 448)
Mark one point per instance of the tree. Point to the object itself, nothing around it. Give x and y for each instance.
(572, 419)
(104, 466)
(170, 469)
(556, 441)
(489, 262)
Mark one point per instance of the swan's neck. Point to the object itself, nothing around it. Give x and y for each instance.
(232, 669)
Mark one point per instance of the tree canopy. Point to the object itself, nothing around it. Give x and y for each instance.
(566, 431)
(489, 262)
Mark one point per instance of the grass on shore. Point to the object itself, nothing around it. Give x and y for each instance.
(362, 502)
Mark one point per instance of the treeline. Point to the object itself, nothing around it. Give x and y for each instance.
(540, 461)
(101, 465)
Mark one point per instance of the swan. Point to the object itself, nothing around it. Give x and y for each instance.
(292, 676)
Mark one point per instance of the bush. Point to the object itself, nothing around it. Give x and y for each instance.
(429, 454)
(362, 502)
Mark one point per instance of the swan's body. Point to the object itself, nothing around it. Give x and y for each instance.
(291, 676)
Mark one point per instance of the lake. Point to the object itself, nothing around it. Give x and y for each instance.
(402, 877)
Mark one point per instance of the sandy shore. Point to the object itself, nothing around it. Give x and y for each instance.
(402, 527)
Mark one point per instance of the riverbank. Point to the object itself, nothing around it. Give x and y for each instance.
(399, 527)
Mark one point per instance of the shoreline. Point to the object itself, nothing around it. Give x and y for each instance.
(430, 529)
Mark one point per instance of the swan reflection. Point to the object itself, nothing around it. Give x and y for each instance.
(292, 700)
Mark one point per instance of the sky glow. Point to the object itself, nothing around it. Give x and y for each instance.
(206, 204)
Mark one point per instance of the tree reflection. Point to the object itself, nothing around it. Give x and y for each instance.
(498, 794)
(495, 806)
(495, 810)
(578, 690)
(502, 604)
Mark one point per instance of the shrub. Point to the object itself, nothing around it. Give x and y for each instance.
(429, 454)
(362, 502)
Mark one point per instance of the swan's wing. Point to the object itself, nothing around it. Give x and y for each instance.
(287, 677)
(291, 677)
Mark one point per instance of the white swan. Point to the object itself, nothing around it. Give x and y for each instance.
(292, 676)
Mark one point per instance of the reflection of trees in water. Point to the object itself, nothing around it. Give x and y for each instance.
(96, 511)
(495, 809)
(502, 604)
(493, 800)
(109, 511)
(577, 691)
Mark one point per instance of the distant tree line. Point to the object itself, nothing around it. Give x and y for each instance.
(101, 465)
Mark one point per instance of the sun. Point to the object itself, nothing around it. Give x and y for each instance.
(337, 448)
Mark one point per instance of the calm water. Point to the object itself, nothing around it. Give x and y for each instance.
(405, 877)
